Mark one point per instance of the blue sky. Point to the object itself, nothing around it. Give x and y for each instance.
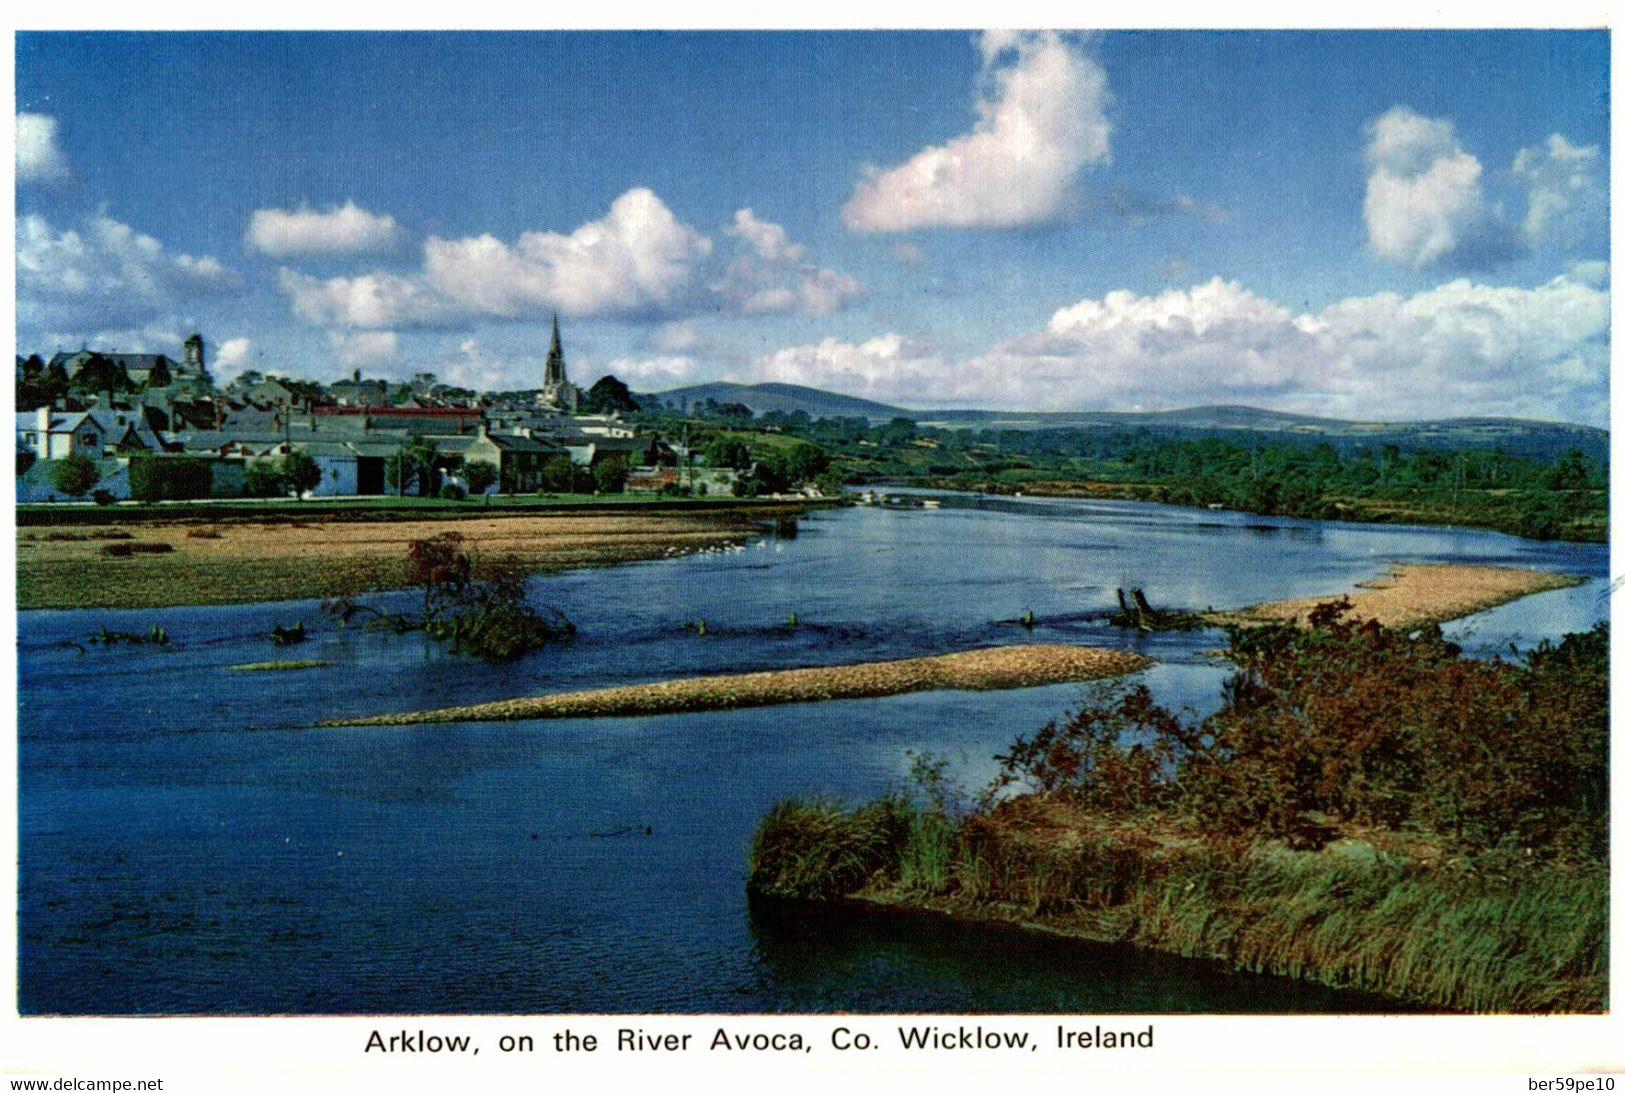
(1368, 224)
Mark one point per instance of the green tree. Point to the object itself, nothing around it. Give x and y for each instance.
(31, 383)
(75, 475)
(414, 464)
(609, 474)
(100, 375)
(480, 476)
(804, 462)
(727, 451)
(1569, 473)
(558, 474)
(262, 479)
(771, 473)
(609, 395)
(300, 472)
(159, 375)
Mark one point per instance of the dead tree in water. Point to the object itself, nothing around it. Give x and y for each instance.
(1140, 615)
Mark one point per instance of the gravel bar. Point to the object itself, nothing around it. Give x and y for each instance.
(1002, 668)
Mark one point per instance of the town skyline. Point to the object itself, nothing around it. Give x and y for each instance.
(1354, 226)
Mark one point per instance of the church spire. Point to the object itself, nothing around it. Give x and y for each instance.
(554, 375)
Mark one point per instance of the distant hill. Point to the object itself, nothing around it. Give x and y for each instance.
(1195, 417)
(1515, 436)
(785, 397)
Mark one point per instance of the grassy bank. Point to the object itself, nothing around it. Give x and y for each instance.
(1360, 914)
(1366, 809)
(1001, 668)
(312, 553)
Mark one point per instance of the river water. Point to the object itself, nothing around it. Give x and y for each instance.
(189, 845)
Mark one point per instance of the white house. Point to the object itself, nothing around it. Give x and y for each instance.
(56, 434)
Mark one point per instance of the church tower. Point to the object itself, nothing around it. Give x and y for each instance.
(193, 353)
(554, 376)
(557, 390)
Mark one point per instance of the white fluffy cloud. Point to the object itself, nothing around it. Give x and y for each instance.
(233, 353)
(1424, 205)
(1568, 198)
(346, 229)
(364, 346)
(1460, 349)
(890, 367)
(769, 275)
(372, 301)
(104, 274)
(1041, 119)
(638, 262)
(39, 158)
(769, 240)
(676, 338)
(654, 373)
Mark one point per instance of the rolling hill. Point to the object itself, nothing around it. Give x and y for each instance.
(785, 397)
(1516, 436)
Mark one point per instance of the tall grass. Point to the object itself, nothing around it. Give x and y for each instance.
(1517, 939)
(816, 849)
(925, 861)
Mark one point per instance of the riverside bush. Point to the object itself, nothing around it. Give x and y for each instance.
(475, 603)
(1346, 722)
(1488, 891)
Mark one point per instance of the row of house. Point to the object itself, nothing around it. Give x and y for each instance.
(351, 428)
(351, 446)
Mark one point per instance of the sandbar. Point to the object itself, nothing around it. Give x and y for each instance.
(1001, 668)
(1414, 595)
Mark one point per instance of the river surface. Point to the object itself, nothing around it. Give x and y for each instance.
(189, 845)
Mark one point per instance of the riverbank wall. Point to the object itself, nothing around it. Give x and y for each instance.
(1507, 936)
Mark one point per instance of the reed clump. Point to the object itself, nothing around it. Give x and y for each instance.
(818, 849)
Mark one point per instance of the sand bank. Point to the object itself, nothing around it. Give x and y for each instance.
(1413, 595)
(277, 665)
(294, 559)
(1002, 668)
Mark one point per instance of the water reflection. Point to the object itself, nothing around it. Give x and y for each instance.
(852, 958)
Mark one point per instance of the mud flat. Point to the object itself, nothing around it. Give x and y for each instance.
(1003, 668)
(1414, 595)
(187, 563)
